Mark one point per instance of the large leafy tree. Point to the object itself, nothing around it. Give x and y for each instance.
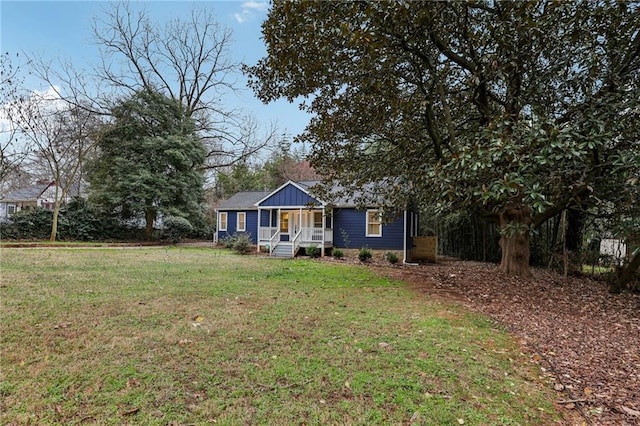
(516, 110)
(150, 161)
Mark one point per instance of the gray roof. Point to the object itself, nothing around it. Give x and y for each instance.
(338, 196)
(243, 200)
(30, 193)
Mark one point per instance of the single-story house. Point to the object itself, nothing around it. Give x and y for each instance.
(41, 195)
(291, 217)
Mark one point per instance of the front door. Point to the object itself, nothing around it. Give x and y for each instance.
(289, 224)
(284, 226)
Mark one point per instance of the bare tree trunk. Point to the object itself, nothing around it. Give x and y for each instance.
(626, 275)
(515, 241)
(56, 212)
(150, 217)
(54, 221)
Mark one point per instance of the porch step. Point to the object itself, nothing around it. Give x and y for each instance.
(282, 251)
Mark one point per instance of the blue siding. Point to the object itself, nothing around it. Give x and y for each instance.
(264, 218)
(289, 196)
(352, 222)
(251, 224)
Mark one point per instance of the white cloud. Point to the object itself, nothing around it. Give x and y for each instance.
(249, 10)
(256, 5)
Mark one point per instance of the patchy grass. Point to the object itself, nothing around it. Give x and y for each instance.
(197, 336)
(596, 269)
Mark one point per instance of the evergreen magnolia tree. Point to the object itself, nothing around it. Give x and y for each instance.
(515, 110)
(149, 161)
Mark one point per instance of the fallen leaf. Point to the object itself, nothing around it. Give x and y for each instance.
(559, 387)
(460, 421)
(630, 411)
(573, 317)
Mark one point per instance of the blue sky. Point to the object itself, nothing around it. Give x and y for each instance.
(62, 29)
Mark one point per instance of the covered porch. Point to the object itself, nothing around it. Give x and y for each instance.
(283, 231)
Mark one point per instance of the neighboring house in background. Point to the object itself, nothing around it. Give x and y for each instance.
(41, 195)
(291, 217)
(613, 248)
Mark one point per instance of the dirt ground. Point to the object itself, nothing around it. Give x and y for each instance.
(585, 340)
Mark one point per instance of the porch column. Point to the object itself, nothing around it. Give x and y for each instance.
(300, 221)
(404, 243)
(324, 226)
(258, 230)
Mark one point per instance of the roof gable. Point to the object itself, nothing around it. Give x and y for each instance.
(291, 194)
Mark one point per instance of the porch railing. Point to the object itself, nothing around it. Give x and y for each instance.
(315, 235)
(328, 235)
(296, 242)
(266, 233)
(305, 234)
(273, 241)
(312, 234)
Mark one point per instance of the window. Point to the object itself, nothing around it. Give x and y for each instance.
(374, 224)
(222, 221)
(241, 223)
(284, 222)
(317, 219)
(11, 209)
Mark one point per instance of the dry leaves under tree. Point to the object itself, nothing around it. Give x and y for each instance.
(586, 340)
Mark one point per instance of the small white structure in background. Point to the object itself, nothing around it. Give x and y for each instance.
(613, 247)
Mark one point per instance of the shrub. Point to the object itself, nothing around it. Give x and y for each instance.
(365, 254)
(176, 228)
(338, 254)
(313, 251)
(239, 243)
(28, 224)
(391, 257)
(83, 221)
(242, 244)
(229, 241)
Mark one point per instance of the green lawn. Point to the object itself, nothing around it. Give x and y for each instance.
(174, 336)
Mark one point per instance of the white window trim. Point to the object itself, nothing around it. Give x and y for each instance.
(13, 209)
(244, 222)
(367, 224)
(226, 221)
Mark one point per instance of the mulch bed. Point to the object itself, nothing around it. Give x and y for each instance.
(584, 339)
